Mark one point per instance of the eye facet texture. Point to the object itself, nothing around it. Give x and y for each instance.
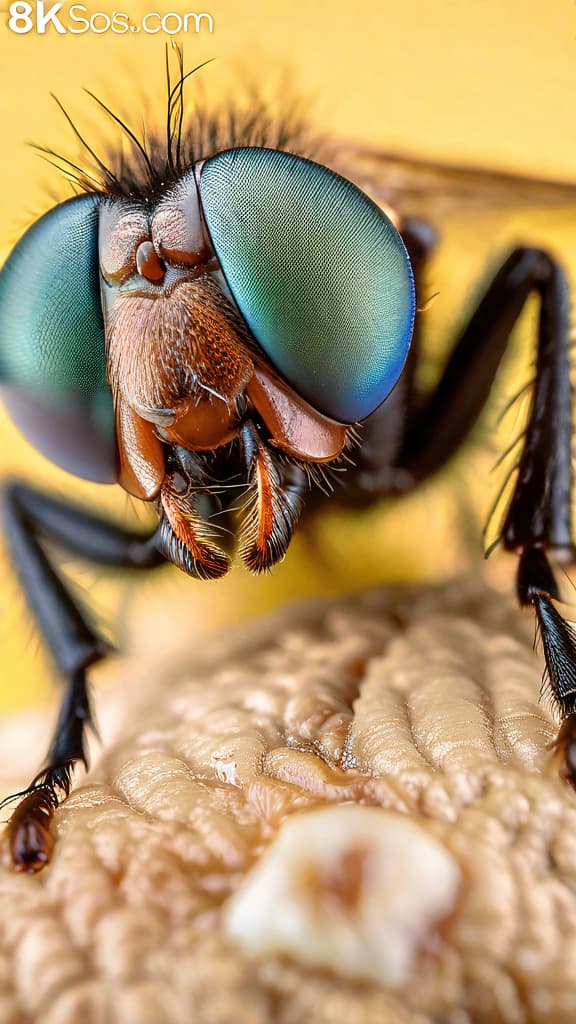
(318, 271)
(52, 354)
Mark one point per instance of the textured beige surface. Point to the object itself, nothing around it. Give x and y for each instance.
(420, 702)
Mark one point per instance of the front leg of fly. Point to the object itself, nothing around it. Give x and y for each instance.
(30, 518)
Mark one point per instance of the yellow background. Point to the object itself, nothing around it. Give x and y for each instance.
(491, 82)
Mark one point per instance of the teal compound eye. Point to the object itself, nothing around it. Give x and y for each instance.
(318, 271)
(52, 347)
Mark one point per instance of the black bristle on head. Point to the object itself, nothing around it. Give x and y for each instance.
(158, 157)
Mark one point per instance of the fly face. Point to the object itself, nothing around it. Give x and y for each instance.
(179, 354)
(251, 312)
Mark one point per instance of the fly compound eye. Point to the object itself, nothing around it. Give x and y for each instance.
(52, 354)
(318, 271)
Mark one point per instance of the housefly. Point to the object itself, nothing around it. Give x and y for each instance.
(224, 310)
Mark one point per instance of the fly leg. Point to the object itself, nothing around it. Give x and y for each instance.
(32, 518)
(537, 524)
(436, 427)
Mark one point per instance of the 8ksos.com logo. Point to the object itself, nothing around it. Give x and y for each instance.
(76, 19)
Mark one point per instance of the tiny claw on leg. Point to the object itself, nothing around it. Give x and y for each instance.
(29, 833)
(31, 840)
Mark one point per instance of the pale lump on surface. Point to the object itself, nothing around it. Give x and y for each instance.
(353, 889)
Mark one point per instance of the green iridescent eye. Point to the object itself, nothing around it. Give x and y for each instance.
(52, 354)
(318, 271)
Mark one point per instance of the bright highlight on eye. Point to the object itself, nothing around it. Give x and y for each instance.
(319, 273)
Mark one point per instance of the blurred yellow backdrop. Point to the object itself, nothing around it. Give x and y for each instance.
(483, 82)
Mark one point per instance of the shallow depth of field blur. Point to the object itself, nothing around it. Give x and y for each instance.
(486, 83)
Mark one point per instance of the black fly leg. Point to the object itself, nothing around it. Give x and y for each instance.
(436, 428)
(30, 519)
(538, 518)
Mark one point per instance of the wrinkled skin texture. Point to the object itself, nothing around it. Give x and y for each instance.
(422, 702)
